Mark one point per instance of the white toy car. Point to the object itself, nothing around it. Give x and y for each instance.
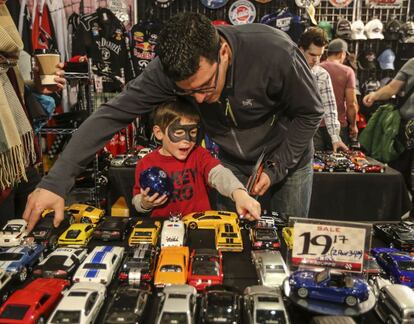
(144, 152)
(13, 233)
(264, 305)
(80, 304)
(173, 232)
(178, 304)
(100, 265)
(270, 266)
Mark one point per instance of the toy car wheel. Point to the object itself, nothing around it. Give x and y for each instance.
(23, 274)
(193, 225)
(41, 321)
(303, 292)
(351, 301)
(53, 243)
(4, 297)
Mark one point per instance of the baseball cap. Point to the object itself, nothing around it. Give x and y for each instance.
(407, 32)
(337, 45)
(327, 27)
(366, 61)
(357, 29)
(242, 12)
(373, 29)
(163, 3)
(392, 29)
(214, 4)
(386, 59)
(343, 29)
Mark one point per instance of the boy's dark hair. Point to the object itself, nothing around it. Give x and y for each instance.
(167, 112)
(313, 35)
(184, 38)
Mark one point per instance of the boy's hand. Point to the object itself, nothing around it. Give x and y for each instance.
(149, 202)
(246, 206)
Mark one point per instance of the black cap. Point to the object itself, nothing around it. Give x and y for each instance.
(343, 29)
(392, 30)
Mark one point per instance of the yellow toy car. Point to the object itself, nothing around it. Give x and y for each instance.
(228, 238)
(210, 219)
(287, 234)
(83, 213)
(172, 267)
(145, 231)
(77, 234)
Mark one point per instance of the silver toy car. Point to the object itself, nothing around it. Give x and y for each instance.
(270, 267)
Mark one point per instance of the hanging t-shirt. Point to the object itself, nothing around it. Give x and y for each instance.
(73, 25)
(102, 37)
(43, 33)
(144, 37)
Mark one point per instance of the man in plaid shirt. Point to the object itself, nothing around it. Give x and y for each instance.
(312, 44)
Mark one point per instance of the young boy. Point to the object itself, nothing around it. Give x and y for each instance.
(190, 167)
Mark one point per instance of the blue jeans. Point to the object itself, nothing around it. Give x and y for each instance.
(291, 196)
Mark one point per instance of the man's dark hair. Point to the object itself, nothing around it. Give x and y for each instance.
(167, 112)
(313, 35)
(183, 39)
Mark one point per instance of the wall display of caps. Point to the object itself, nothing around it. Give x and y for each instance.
(242, 12)
(344, 29)
(214, 4)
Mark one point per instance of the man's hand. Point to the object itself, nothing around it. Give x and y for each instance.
(353, 131)
(246, 206)
(369, 99)
(39, 200)
(149, 202)
(339, 146)
(262, 185)
(49, 89)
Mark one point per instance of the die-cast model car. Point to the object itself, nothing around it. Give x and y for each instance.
(228, 238)
(220, 304)
(138, 264)
(145, 231)
(178, 305)
(83, 213)
(400, 235)
(206, 268)
(395, 304)
(270, 267)
(264, 305)
(80, 304)
(329, 286)
(100, 265)
(287, 234)
(173, 232)
(398, 265)
(143, 152)
(46, 233)
(209, 219)
(77, 234)
(61, 263)
(7, 285)
(112, 229)
(13, 233)
(131, 161)
(33, 303)
(264, 237)
(376, 283)
(128, 305)
(19, 259)
(372, 268)
(172, 266)
(318, 165)
(119, 160)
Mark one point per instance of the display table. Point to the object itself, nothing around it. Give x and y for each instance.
(337, 195)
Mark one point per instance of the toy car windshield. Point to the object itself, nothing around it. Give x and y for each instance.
(171, 268)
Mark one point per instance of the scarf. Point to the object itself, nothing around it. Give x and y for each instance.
(16, 134)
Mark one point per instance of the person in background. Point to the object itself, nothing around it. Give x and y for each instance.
(343, 81)
(18, 176)
(190, 167)
(246, 106)
(312, 44)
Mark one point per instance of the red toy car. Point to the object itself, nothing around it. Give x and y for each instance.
(34, 303)
(206, 268)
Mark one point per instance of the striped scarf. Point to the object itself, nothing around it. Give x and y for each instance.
(16, 134)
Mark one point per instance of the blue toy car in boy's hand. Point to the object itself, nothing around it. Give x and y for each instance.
(157, 180)
(333, 287)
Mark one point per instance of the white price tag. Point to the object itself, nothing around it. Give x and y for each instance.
(328, 244)
(98, 83)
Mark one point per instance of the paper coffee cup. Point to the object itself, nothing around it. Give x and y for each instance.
(46, 64)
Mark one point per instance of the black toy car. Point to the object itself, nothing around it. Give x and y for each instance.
(400, 235)
(112, 229)
(139, 264)
(220, 304)
(7, 285)
(128, 305)
(46, 233)
(264, 237)
(132, 161)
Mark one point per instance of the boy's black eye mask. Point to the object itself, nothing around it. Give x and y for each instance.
(176, 126)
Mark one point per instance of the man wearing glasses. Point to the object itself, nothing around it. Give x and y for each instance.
(255, 93)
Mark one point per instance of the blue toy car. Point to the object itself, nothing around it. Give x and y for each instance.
(17, 260)
(333, 287)
(398, 265)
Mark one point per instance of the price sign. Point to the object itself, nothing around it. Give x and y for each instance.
(385, 4)
(338, 245)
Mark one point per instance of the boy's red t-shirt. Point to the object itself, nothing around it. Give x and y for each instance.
(189, 177)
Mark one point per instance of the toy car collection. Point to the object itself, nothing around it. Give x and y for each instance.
(13, 233)
(112, 229)
(270, 267)
(206, 268)
(172, 266)
(145, 231)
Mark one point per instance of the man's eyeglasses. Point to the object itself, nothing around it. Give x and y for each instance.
(202, 89)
